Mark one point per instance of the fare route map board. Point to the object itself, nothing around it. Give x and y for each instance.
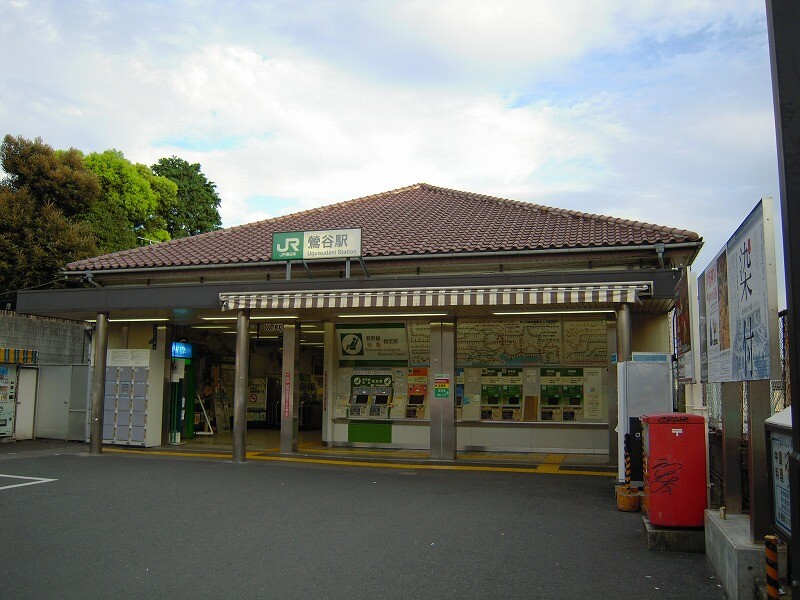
(585, 342)
(509, 343)
(419, 344)
(519, 343)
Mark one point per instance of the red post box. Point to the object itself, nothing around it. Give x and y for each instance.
(674, 469)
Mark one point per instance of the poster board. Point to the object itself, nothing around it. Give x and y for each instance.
(738, 304)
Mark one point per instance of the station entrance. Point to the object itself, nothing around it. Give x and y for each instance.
(203, 384)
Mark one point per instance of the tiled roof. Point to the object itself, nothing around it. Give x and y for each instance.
(418, 219)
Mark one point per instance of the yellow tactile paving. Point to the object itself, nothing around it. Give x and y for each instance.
(551, 463)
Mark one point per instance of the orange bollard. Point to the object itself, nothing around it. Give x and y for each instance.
(771, 551)
(627, 460)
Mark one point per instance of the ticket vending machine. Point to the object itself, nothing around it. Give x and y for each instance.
(415, 405)
(572, 394)
(490, 404)
(572, 399)
(511, 403)
(370, 396)
(359, 403)
(551, 403)
(380, 402)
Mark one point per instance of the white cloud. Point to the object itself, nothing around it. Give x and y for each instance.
(309, 133)
(526, 35)
(654, 111)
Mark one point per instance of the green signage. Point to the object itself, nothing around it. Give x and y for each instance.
(287, 246)
(313, 245)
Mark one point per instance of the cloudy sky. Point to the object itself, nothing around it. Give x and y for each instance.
(648, 110)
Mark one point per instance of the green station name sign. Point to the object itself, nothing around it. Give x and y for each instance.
(311, 245)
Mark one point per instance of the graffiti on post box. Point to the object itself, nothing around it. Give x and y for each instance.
(674, 419)
(665, 476)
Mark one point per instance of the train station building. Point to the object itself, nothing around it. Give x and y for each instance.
(420, 318)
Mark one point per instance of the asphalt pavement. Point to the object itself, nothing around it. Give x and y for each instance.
(147, 526)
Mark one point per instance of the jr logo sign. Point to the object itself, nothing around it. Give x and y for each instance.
(287, 246)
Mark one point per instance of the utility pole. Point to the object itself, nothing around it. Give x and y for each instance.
(783, 24)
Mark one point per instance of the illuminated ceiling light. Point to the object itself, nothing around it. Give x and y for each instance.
(252, 333)
(392, 315)
(210, 326)
(554, 312)
(258, 318)
(142, 320)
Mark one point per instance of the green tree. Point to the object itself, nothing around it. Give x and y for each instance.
(197, 209)
(35, 244)
(42, 198)
(166, 192)
(49, 176)
(131, 204)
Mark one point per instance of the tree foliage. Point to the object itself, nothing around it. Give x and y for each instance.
(42, 197)
(132, 202)
(197, 209)
(60, 206)
(36, 244)
(49, 176)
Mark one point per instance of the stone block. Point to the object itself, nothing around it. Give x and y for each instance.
(673, 539)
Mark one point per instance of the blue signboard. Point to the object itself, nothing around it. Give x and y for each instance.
(181, 350)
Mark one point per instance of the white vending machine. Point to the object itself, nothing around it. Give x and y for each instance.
(644, 387)
(8, 398)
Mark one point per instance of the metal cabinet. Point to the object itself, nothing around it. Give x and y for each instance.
(133, 398)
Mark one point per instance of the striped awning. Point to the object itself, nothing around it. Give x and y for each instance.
(437, 298)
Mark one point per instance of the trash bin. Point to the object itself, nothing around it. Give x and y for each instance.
(674, 469)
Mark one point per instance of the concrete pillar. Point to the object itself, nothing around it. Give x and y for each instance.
(441, 402)
(290, 404)
(623, 355)
(329, 383)
(623, 333)
(611, 392)
(241, 386)
(100, 342)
